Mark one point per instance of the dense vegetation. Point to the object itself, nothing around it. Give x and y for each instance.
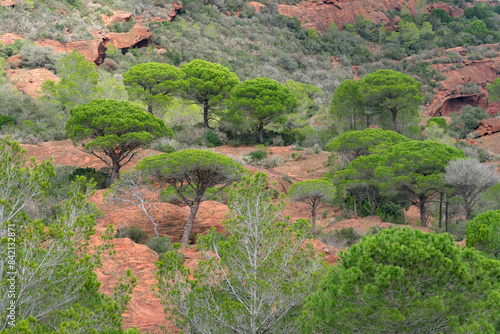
(229, 75)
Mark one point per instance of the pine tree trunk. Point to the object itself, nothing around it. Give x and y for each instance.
(189, 224)
(205, 115)
(313, 217)
(423, 218)
(441, 210)
(150, 109)
(115, 174)
(260, 134)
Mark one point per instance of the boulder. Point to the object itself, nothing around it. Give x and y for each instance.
(30, 81)
(318, 14)
(118, 16)
(138, 36)
(176, 9)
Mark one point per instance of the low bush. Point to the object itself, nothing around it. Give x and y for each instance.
(258, 155)
(160, 245)
(136, 234)
(101, 177)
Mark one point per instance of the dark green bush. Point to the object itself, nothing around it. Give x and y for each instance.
(347, 235)
(6, 120)
(391, 213)
(160, 244)
(258, 155)
(212, 140)
(136, 234)
(102, 177)
(166, 148)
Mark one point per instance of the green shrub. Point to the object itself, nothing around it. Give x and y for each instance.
(324, 214)
(483, 232)
(212, 140)
(160, 245)
(6, 120)
(344, 237)
(166, 148)
(287, 178)
(135, 233)
(258, 155)
(102, 177)
(391, 213)
(441, 122)
(37, 56)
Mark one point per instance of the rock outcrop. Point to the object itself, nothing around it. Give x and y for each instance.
(93, 50)
(452, 11)
(487, 127)
(318, 14)
(8, 38)
(256, 5)
(176, 9)
(118, 16)
(450, 98)
(9, 3)
(30, 81)
(138, 36)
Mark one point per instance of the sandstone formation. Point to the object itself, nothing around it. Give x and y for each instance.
(93, 50)
(256, 5)
(8, 2)
(8, 38)
(452, 11)
(30, 81)
(14, 61)
(487, 127)
(118, 16)
(450, 98)
(138, 36)
(176, 9)
(318, 14)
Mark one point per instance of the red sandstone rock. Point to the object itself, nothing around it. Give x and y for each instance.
(14, 61)
(487, 127)
(93, 50)
(176, 9)
(318, 14)
(256, 5)
(30, 81)
(6, 3)
(138, 36)
(452, 11)
(449, 99)
(118, 16)
(8, 38)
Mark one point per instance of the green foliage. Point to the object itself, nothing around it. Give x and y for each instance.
(347, 105)
(154, 83)
(312, 192)
(78, 84)
(258, 277)
(102, 177)
(483, 232)
(478, 28)
(395, 96)
(392, 212)
(56, 289)
(258, 155)
(415, 169)
(353, 144)
(404, 281)
(166, 148)
(208, 85)
(194, 175)
(467, 121)
(211, 139)
(6, 120)
(260, 102)
(347, 235)
(39, 57)
(494, 90)
(115, 129)
(135, 233)
(160, 245)
(440, 121)
(287, 178)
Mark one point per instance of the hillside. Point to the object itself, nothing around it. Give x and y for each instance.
(235, 166)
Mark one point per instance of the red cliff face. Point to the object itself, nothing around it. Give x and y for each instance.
(450, 98)
(318, 14)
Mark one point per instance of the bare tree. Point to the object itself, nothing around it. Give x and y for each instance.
(132, 189)
(470, 178)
